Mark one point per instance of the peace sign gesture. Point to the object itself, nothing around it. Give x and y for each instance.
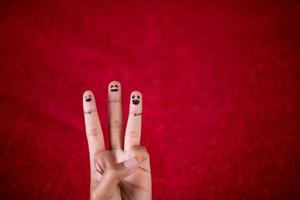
(123, 172)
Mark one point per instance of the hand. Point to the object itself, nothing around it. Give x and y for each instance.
(123, 172)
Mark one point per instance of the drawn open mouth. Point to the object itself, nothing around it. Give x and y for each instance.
(135, 101)
(88, 99)
(114, 88)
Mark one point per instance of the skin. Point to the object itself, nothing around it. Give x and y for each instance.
(122, 172)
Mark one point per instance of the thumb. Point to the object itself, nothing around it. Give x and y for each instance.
(108, 183)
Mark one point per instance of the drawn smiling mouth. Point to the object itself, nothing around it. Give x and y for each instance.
(88, 99)
(135, 101)
(114, 90)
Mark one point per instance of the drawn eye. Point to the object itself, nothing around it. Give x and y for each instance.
(138, 96)
(116, 86)
(133, 96)
(111, 86)
(89, 95)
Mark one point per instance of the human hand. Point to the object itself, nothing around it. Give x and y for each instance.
(123, 172)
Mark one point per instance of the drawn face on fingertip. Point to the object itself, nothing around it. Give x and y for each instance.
(135, 99)
(88, 98)
(114, 88)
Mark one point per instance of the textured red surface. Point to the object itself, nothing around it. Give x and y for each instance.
(220, 83)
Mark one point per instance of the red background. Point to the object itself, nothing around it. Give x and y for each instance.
(220, 83)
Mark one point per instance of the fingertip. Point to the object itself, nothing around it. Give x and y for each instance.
(114, 86)
(88, 96)
(114, 92)
(87, 92)
(115, 82)
(136, 99)
(88, 100)
(136, 92)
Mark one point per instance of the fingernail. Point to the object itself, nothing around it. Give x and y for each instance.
(130, 163)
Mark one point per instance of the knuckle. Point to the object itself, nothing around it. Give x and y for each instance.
(145, 154)
(132, 134)
(141, 152)
(94, 131)
(139, 148)
(115, 124)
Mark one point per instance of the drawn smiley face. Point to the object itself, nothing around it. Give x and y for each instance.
(136, 99)
(88, 98)
(114, 88)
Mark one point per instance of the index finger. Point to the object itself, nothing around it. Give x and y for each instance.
(93, 127)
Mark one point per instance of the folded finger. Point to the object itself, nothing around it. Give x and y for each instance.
(108, 183)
